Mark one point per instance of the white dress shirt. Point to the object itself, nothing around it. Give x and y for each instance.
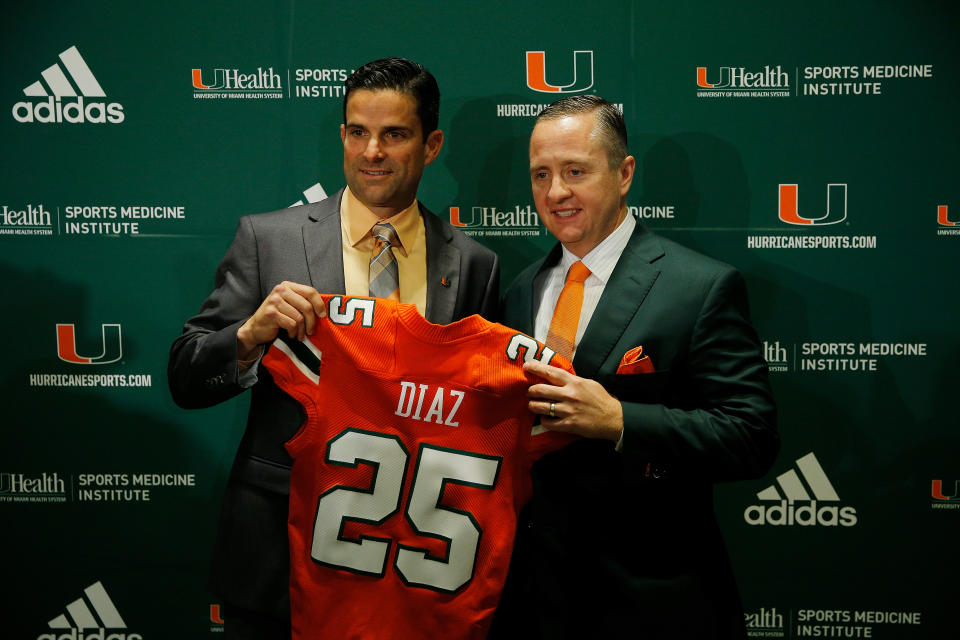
(601, 260)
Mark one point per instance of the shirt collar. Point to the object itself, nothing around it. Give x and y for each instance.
(603, 258)
(360, 219)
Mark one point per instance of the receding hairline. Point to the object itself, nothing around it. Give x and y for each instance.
(592, 111)
(600, 134)
(609, 126)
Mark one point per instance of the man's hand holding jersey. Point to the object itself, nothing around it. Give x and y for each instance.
(294, 308)
(572, 404)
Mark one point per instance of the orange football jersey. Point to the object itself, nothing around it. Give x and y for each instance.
(409, 470)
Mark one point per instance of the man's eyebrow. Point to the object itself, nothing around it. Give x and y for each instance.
(389, 127)
(564, 163)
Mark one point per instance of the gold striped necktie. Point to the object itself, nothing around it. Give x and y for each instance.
(384, 274)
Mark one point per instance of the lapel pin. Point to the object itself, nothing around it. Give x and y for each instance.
(444, 282)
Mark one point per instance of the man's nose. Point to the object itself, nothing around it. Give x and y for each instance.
(373, 150)
(558, 189)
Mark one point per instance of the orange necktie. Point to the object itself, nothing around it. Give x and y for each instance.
(566, 316)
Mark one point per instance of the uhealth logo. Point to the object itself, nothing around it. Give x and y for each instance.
(764, 622)
(66, 104)
(232, 80)
(777, 357)
(940, 499)
(739, 79)
(836, 206)
(518, 217)
(937, 492)
(89, 618)
(794, 506)
(112, 347)
(21, 487)
(33, 220)
(582, 73)
(943, 219)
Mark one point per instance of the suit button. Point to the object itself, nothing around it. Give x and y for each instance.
(656, 472)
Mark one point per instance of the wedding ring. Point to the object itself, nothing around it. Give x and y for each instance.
(553, 405)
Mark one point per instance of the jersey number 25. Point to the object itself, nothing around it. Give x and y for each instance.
(435, 468)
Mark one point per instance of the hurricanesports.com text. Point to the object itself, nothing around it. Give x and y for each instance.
(811, 242)
(90, 380)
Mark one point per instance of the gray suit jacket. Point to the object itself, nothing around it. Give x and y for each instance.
(300, 244)
(625, 544)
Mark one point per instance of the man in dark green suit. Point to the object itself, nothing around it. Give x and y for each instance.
(671, 396)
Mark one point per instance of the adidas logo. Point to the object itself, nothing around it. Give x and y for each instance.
(63, 102)
(82, 623)
(793, 490)
(312, 194)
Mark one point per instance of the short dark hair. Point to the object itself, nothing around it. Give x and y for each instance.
(609, 125)
(403, 76)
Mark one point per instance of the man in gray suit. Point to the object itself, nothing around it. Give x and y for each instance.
(270, 280)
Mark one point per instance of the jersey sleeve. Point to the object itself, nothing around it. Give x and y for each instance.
(345, 334)
(294, 366)
(355, 329)
(292, 362)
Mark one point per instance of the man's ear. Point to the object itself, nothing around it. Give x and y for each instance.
(434, 144)
(626, 170)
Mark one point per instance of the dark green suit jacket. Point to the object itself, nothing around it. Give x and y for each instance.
(626, 544)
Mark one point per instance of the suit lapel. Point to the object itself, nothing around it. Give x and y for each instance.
(626, 290)
(443, 270)
(323, 245)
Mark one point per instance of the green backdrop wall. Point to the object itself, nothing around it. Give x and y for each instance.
(813, 145)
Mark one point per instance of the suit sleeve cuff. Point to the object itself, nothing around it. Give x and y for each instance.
(247, 377)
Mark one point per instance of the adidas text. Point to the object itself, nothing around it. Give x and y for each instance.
(99, 634)
(785, 514)
(75, 111)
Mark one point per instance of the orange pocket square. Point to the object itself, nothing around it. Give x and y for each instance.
(634, 361)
